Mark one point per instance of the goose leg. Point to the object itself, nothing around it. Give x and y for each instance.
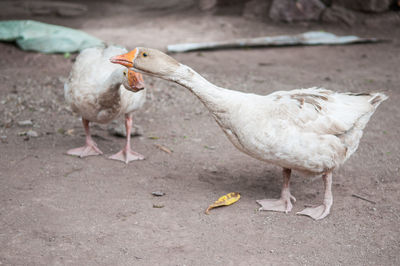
(283, 204)
(90, 147)
(321, 211)
(127, 154)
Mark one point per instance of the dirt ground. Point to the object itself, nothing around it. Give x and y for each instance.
(61, 210)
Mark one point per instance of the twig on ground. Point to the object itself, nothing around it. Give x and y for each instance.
(163, 148)
(362, 198)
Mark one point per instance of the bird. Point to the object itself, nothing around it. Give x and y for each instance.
(100, 91)
(312, 130)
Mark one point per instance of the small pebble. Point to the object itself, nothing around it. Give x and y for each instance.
(25, 123)
(158, 206)
(209, 147)
(211, 169)
(32, 134)
(3, 139)
(158, 193)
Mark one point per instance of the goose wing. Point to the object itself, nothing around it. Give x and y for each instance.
(322, 111)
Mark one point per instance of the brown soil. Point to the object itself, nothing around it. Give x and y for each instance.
(61, 210)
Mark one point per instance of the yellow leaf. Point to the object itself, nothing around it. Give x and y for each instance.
(225, 200)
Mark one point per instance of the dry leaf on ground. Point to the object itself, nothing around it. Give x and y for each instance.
(163, 148)
(225, 200)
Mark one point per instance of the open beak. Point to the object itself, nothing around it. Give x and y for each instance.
(124, 59)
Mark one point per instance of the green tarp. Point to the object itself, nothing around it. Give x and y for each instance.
(46, 38)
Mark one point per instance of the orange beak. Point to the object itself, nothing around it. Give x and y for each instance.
(124, 59)
(135, 80)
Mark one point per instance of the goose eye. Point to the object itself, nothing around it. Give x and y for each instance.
(144, 54)
(124, 73)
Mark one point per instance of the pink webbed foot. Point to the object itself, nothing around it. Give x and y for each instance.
(126, 156)
(90, 147)
(321, 211)
(317, 213)
(87, 150)
(283, 204)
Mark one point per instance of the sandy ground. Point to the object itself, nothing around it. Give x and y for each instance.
(61, 210)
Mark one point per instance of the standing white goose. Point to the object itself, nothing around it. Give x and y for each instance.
(100, 92)
(310, 130)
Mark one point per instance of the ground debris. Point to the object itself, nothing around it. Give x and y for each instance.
(211, 169)
(29, 134)
(25, 123)
(61, 131)
(209, 147)
(3, 139)
(158, 193)
(163, 148)
(32, 134)
(363, 198)
(225, 200)
(70, 132)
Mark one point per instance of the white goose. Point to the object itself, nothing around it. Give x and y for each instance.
(310, 130)
(100, 92)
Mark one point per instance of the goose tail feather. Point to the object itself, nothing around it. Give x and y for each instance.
(377, 99)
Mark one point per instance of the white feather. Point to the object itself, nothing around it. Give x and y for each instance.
(94, 88)
(311, 130)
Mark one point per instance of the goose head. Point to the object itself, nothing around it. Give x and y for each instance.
(148, 61)
(133, 81)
